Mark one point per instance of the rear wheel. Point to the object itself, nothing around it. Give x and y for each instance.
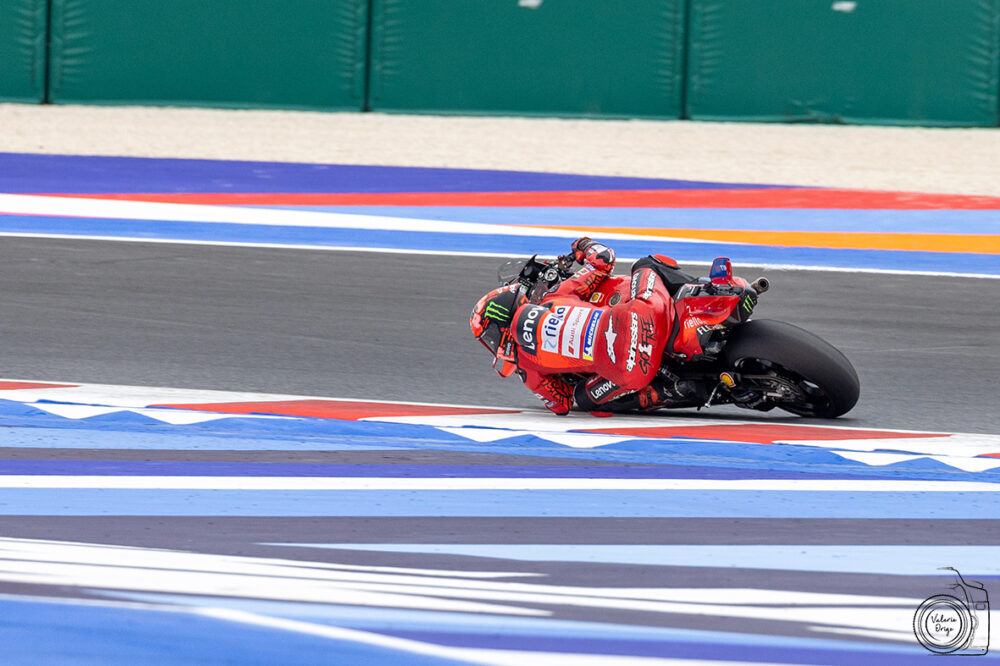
(798, 371)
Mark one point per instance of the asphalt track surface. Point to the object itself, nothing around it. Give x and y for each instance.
(394, 327)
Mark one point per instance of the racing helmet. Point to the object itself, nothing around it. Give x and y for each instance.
(490, 323)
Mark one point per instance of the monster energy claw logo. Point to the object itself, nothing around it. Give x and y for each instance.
(496, 311)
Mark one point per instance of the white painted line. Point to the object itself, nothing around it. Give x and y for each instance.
(297, 483)
(498, 255)
(340, 634)
(42, 550)
(172, 416)
(489, 657)
(150, 570)
(518, 658)
(954, 446)
(21, 204)
(967, 464)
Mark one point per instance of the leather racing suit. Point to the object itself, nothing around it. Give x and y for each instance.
(618, 348)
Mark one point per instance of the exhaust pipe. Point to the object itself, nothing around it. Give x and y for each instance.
(760, 285)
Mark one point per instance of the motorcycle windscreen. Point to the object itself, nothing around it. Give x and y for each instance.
(510, 270)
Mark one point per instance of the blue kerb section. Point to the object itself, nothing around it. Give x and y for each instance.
(728, 219)
(319, 238)
(73, 174)
(501, 503)
(311, 470)
(504, 632)
(57, 633)
(27, 427)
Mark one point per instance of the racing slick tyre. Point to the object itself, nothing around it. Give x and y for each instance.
(813, 376)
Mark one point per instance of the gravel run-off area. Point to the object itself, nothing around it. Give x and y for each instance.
(958, 161)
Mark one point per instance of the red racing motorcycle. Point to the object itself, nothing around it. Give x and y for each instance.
(756, 364)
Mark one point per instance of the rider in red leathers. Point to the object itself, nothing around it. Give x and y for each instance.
(617, 348)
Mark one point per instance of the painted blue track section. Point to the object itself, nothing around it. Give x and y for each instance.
(499, 503)
(41, 632)
(74, 174)
(961, 263)
(680, 457)
(92, 635)
(156, 468)
(572, 636)
(735, 219)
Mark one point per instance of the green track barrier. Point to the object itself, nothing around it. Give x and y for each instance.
(23, 29)
(550, 57)
(920, 62)
(927, 62)
(229, 53)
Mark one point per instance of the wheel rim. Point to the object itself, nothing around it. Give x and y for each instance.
(808, 398)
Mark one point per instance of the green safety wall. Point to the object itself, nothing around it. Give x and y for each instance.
(567, 57)
(866, 61)
(23, 28)
(272, 53)
(896, 61)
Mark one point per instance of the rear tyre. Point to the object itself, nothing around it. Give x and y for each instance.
(818, 378)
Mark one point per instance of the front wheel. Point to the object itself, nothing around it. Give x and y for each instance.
(799, 372)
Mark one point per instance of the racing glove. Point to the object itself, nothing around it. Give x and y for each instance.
(554, 393)
(591, 253)
(579, 248)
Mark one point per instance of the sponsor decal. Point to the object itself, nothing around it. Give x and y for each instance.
(647, 335)
(496, 311)
(640, 351)
(528, 329)
(596, 298)
(610, 336)
(615, 299)
(601, 389)
(693, 322)
(634, 291)
(552, 327)
(634, 330)
(588, 338)
(650, 283)
(702, 330)
(572, 339)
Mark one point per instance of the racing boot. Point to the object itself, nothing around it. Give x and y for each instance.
(671, 392)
